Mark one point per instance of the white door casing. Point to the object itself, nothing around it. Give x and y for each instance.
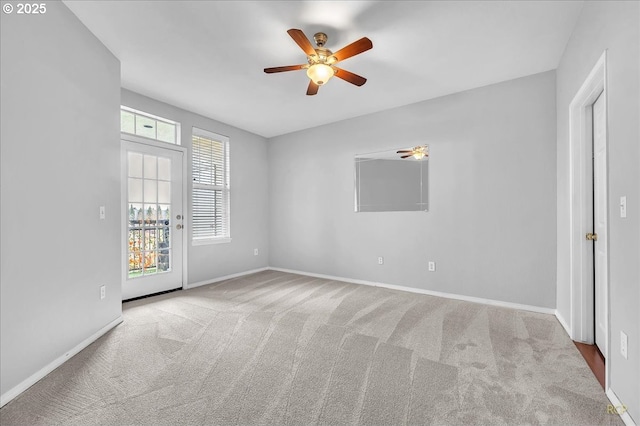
(153, 218)
(600, 221)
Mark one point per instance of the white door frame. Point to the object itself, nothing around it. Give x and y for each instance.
(123, 208)
(581, 208)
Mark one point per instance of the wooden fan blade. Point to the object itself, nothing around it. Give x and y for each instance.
(350, 77)
(353, 49)
(403, 151)
(302, 41)
(282, 69)
(406, 156)
(312, 89)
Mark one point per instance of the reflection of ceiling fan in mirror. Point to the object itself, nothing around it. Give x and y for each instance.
(322, 62)
(418, 152)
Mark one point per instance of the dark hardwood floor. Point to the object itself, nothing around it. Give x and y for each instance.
(594, 359)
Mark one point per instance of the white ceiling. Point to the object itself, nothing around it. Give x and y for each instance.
(208, 56)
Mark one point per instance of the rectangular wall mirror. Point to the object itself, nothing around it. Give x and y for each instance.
(393, 180)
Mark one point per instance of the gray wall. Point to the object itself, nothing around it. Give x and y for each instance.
(613, 26)
(491, 225)
(60, 162)
(249, 198)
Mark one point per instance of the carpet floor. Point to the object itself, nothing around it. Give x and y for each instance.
(286, 349)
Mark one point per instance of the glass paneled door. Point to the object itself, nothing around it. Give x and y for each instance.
(152, 195)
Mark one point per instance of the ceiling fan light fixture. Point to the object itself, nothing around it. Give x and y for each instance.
(419, 155)
(321, 61)
(320, 73)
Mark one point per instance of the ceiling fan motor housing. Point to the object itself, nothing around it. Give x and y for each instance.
(322, 56)
(320, 39)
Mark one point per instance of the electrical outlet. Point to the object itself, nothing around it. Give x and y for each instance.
(103, 292)
(255, 252)
(103, 212)
(623, 344)
(380, 260)
(432, 266)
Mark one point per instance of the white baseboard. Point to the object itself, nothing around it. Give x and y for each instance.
(38, 375)
(226, 277)
(428, 292)
(563, 322)
(618, 406)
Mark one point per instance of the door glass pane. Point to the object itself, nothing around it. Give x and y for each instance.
(135, 252)
(164, 251)
(164, 192)
(135, 215)
(164, 215)
(150, 239)
(150, 191)
(150, 215)
(135, 164)
(135, 264)
(163, 260)
(135, 240)
(150, 262)
(135, 189)
(150, 167)
(164, 168)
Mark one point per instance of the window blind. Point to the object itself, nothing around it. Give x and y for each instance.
(210, 172)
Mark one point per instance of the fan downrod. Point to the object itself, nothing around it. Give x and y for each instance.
(320, 39)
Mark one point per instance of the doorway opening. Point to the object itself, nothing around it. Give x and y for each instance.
(588, 217)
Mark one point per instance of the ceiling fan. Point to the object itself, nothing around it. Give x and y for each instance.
(418, 152)
(322, 62)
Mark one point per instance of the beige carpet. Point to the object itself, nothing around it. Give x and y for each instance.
(276, 348)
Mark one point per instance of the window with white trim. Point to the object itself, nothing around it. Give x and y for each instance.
(210, 165)
(149, 126)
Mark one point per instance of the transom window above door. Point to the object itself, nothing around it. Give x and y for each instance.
(149, 126)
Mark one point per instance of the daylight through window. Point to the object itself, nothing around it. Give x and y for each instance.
(210, 161)
(149, 126)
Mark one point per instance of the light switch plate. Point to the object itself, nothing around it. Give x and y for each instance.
(103, 212)
(623, 344)
(623, 206)
(432, 266)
